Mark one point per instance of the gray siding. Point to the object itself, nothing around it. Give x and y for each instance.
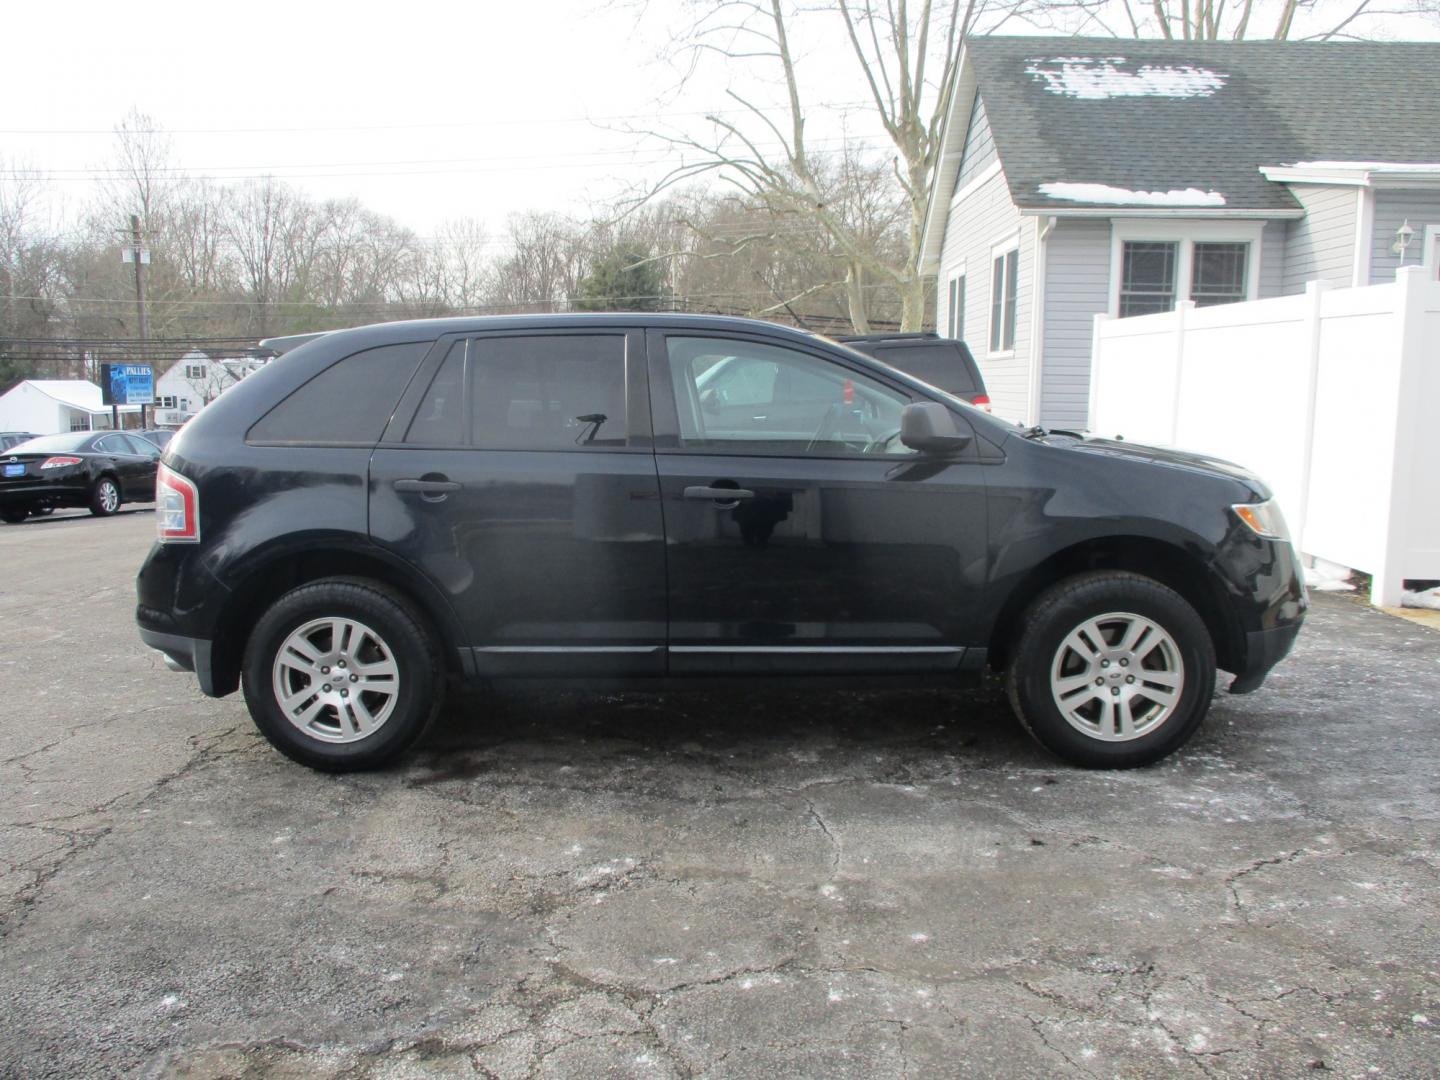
(975, 225)
(979, 145)
(1321, 245)
(1392, 208)
(1077, 288)
(1272, 259)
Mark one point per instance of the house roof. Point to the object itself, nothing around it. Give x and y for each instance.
(1092, 124)
(76, 393)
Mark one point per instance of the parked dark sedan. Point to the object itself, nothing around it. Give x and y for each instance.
(648, 496)
(159, 437)
(99, 470)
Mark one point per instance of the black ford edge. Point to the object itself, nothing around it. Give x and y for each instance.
(383, 509)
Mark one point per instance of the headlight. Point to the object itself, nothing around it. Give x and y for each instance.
(1264, 518)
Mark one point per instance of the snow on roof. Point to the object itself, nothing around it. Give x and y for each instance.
(1113, 196)
(1099, 78)
(76, 393)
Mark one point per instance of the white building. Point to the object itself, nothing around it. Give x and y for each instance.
(51, 406)
(195, 380)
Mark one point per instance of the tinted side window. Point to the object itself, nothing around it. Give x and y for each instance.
(142, 447)
(808, 406)
(548, 392)
(349, 402)
(440, 420)
(112, 444)
(938, 365)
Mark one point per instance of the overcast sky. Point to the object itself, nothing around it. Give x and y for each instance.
(423, 110)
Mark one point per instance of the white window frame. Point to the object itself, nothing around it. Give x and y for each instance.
(194, 371)
(957, 273)
(1009, 243)
(1185, 234)
(1430, 254)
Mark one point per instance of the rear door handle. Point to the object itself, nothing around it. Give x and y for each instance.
(718, 494)
(427, 487)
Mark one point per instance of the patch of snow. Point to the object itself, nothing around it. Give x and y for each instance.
(1429, 598)
(1100, 78)
(1113, 196)
(1324, 576)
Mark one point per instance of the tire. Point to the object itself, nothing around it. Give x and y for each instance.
(1121, 707)
(334, 732)
(14, 515)
(105, 497)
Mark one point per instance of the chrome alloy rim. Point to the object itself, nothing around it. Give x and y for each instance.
(1117, 677)
(336, 680)
(109, 496)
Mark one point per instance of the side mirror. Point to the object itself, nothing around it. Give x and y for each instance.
(931, 428)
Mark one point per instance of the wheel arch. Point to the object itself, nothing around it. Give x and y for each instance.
(264, 583)
(1168, 563)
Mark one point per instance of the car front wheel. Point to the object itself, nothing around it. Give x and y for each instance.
(342, 674)
(1111, 670)
(14, 515)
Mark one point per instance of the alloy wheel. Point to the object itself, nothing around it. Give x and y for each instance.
(1117, 677)
(336, 679)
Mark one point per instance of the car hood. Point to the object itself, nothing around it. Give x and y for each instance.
(1164, 457)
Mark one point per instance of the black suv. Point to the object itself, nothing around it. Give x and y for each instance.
(659, 495)
(942, 362)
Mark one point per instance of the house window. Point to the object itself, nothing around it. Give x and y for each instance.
(194, 371)
(1003, 283)
(957, 307)
(1217, 274)
(1147, 277)
(167, 402)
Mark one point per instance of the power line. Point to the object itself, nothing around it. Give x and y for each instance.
(433, 125)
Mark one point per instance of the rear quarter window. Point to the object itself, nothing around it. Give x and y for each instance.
(349, 402)
(939, 365)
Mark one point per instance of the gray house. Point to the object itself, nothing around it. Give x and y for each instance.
(1081, 176)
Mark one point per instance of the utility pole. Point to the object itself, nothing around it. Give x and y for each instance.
(141, 257)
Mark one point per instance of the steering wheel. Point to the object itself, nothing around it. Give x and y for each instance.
(881, 443)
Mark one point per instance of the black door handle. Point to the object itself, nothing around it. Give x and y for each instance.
(427, 487)
(718, 494)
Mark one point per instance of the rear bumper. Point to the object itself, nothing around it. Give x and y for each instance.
(1263, 650)
(28, 492)
(186, 654)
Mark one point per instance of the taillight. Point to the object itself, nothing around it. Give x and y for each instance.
(60, 462)
(981, 401)
(177, 508)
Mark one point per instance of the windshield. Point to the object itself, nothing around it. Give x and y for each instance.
(69, 442)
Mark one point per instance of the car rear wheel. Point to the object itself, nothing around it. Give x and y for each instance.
(342, 674)
(1112, 670)
(104, 497)
(14, 515)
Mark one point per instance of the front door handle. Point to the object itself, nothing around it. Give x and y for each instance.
(718, 494)
(429, 490)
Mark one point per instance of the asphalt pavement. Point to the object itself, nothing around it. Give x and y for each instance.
(563, 882)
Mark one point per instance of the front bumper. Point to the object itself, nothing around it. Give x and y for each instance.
(186, 654)
(1263, 650)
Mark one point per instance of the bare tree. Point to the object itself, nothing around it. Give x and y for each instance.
(906, 57)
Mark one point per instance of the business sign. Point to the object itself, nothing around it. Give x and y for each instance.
(127, 384)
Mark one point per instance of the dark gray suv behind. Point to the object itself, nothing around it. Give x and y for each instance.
(385, 509)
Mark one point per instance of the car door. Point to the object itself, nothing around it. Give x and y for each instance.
(518, 475)
(128, 464)
(806, 538)
(145, 474)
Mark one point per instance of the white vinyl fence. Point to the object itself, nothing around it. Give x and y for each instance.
(1332, 398)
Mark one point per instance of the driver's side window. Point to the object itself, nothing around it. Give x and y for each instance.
(750, 397)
